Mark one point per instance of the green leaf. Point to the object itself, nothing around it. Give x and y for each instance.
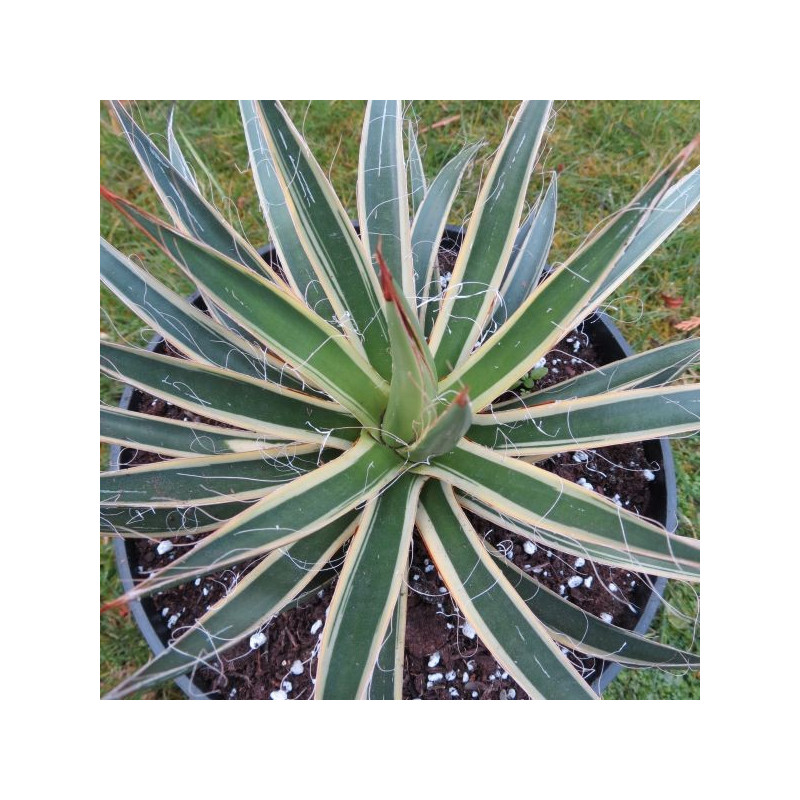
(559, 303)
(138, 521)
(328, 238)
(168, 240)
(294, 260)
(537, 497)
(317, 350)
(419, 186)
(484, 596)
(650, 563)
(426, 233)
(676, 204)
(653, 368)
(576, 628)
(170, 437)
(190, 211)
(176, 157)
(488, 240)
(599, 421)
(185, 327)
(526, 269)
(209, 391)
(387, 674)
(412, 391)
(522, 233)
(367, 592)
(535, 375)
(383, 192)
(289, 513)
(445, 432)
(201, 263)
(208, 480)
(257, 597)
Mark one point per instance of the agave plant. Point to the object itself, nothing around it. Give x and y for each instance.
(361, 401)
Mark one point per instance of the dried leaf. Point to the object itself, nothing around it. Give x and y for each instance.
(441, 123)
(672, 302)
(687, 324)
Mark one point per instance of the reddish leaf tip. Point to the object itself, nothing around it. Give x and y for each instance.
(119, 603)
(462, 398)
(387, 284)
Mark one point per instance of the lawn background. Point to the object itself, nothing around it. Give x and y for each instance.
(604, 151)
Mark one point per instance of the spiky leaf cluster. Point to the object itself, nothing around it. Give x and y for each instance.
(361, 400)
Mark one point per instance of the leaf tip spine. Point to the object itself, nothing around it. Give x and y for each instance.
(387, 285)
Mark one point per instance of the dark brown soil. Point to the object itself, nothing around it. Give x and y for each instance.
(443, 659)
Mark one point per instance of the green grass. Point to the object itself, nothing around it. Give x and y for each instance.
(604, 151)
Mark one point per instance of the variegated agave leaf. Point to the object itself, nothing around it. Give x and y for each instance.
(359, 402)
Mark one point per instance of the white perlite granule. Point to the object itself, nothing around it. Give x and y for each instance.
(256, 640)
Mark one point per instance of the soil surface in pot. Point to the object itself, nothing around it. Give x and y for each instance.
(443, 658)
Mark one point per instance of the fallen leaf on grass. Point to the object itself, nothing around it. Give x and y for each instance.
(672, 302)
(687, 324)
(441, 123)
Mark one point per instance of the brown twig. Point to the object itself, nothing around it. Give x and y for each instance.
(441, 123)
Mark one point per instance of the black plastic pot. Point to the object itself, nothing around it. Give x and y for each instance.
(148, 620)
(609, 344)
(663, 504)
